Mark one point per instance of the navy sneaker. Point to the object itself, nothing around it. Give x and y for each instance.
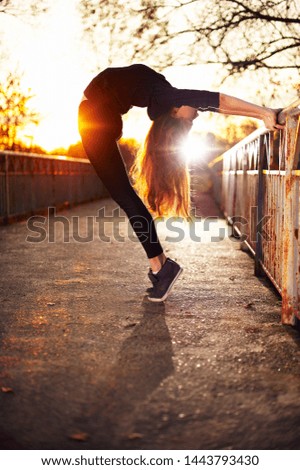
(164, 280)
(153, 280)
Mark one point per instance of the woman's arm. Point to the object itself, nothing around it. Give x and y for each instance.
(235, 106)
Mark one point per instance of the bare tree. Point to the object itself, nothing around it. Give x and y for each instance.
(109, 26)
(15, 112)
(239, 34)
(244, 34)
(26, 9)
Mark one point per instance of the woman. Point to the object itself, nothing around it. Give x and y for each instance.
(160, 175)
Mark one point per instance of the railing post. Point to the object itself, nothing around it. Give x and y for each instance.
(284, 113)
(258, 271)
(7, 201)
(290, 228)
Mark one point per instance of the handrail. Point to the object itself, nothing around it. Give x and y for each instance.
(283, 113)
(44, 156)
(29, 183)
(260, 198)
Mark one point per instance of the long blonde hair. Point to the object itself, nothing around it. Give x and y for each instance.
(160, 174)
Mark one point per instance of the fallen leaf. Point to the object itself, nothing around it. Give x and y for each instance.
(135, 435)
(79, 436)
(130, 325)
(7, 390)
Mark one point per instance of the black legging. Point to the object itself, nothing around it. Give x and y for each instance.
(100, 127)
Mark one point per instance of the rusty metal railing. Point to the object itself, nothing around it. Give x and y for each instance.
(30, 183)
(260, 198)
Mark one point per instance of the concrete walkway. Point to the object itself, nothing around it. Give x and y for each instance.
(88, 363)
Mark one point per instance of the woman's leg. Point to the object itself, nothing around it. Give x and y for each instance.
(99, 140)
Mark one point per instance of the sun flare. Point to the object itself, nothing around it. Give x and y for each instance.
(194, 148)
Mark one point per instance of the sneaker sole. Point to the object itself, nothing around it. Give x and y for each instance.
(169, 290)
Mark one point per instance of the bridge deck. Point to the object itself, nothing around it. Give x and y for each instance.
(88, 363)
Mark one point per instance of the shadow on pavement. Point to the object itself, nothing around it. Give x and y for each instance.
(143, 362)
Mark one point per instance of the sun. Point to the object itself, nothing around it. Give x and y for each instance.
(194, 148)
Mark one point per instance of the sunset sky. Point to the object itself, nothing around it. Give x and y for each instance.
(58, 63)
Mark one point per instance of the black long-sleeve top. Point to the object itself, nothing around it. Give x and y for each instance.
(139, 85)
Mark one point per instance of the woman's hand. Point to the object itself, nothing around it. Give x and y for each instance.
(270, 119)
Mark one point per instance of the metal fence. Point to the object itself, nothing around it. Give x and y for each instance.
(30, 183)
(260, 198)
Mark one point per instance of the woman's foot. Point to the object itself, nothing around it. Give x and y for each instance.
(164, 280)
(152, 278)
